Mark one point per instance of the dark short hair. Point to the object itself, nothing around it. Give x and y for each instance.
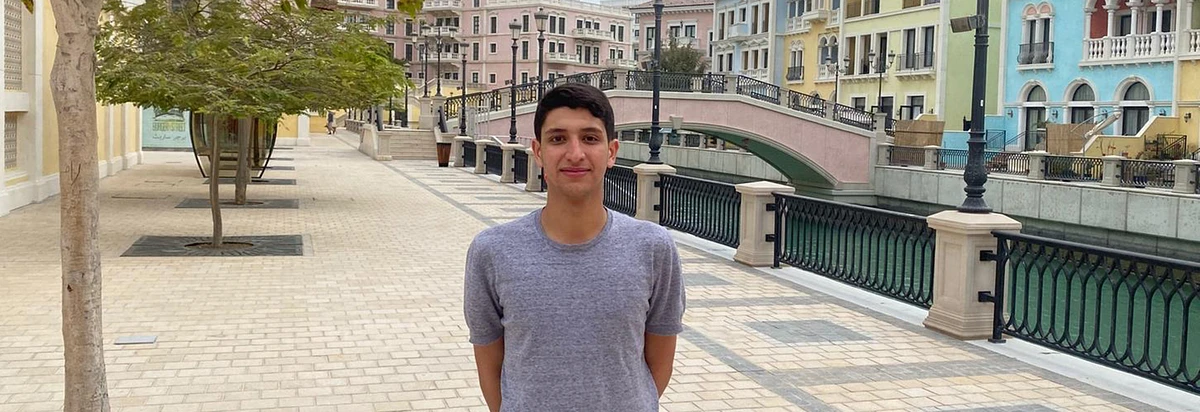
(575, 96)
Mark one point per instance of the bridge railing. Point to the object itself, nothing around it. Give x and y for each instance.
(620, 190)
(497, 100)
(708, 209)
(1133, 312)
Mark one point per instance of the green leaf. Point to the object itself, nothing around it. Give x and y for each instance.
(286, 5)
(301, 4)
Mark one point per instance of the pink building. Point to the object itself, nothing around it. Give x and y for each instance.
(688, 22)
(580, 37)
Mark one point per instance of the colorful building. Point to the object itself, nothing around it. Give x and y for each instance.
(689, 23)
(901, 58)
(809, 49)
(1124, 71)
(745, 38)
(29, 167)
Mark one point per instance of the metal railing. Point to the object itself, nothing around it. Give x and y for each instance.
(997, 140)
(1133, 312)
(493, 159)
(620, 190)
(795, 73)
(758, 89)
(1007, 163)
(906, 156)
(1036, 53)
(916, 61)
(1142, 173)
(886, 252)
(468, 154)
(520, 166)
(853, 116)
(804, 102)
(1068, 168)
(708, 209)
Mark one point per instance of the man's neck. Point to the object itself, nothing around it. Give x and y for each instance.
(573, 223)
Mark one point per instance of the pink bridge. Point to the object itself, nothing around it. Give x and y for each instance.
(811, 141)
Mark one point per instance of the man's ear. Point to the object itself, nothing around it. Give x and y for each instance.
(613, 145)
(537, 152)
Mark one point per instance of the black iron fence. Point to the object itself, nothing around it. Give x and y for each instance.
(886, 252)
(1007, 163)
(493, 159)
(916, 61)
(708, 209)
(758, 89)
(906, 156)
(620, 190)
(1141, 173)
(468, 154)
(1069, 168)
(1134, 312)
(853, 116)
(795, 73)
(805, 103)
(520, 166)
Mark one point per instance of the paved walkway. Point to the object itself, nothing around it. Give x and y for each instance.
(370, 318)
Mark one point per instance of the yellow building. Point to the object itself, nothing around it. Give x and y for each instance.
(811, 47)
(29, 167)
(1189, 97)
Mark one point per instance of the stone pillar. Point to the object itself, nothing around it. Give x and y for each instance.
(756, 222)
(1186, 176)
(830, 109)
(647, 191)
(1037, 164)
(429, 107)
(931, 157)
(621, 79)
(481, 155)
(731, 81)
(1111, 172)
(959, 275)
(883, 153)
(533, 175)
(881, 128)
(507, 174)
(456, 150)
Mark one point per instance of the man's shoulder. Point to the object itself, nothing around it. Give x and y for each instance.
(641, 230)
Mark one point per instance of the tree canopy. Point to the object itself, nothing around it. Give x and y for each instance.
(243, 58)
(683, 59)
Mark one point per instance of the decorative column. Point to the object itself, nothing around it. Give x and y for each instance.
(1112, 7)
(1111, 170)
(959, 274)
(481, 156)
(756, 223)
(507, 174)
(648, 176)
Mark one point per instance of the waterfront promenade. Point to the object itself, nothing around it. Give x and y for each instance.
(370, 318)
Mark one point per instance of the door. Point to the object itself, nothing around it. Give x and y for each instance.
(1034, 117)
(1133, 118)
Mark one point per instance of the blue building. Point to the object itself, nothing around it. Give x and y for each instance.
(1112, 64)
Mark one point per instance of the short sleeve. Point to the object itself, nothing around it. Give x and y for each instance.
(667, 299)
(481, 306)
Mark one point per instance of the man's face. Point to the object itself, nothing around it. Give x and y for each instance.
(574, 152)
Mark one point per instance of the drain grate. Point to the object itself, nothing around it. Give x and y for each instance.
(136, 340)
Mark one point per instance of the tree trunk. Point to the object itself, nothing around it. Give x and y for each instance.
(74, 94)
(214, 180)
(246, 127)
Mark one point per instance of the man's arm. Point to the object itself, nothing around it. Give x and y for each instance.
(660, 357)
(488, 361)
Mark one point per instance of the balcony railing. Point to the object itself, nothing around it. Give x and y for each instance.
(358, 3)
(1036, 53)
(593, 34)
(916, 61)
(755, 73)
(1135, 46)
(620, 64)
(737, 30)
(442, 5)
(1192, 37)
(795, 73)
(447, 32)
(445, 57)
(562, 58)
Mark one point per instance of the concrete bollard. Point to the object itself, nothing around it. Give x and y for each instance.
(507, 174)
(1110, 174)
(959, 274)
(533, 174)
(456, 150)
(648, 175)
(481, 155)
(1186, 176)
(932, 154)
(883, 153)
(756, 222)
(1037, 164)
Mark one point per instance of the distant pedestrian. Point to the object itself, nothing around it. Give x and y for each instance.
(583, 314)
(330, 123)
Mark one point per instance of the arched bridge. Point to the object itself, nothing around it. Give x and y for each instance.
(811, 141)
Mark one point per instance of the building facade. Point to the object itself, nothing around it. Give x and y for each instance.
(689, 23)
(579, 37)
(29, 167)
(745, 38)
(1121, 67)
(809, 49)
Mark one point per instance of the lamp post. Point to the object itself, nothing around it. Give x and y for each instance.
(404, 120)
(975, 176)
(438, 37)
(655, 136)
(882, 67)
(540, 18)
(462, 109)
(423, 50)
(837, 73)
(515, 27)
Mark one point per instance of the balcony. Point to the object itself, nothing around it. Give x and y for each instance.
(759, 74)
(795, 74)
(447, 32)
(592, 34)
(562, 58)
(1135, 47)
(1036, 53)
(737, 30)
(817, 15)
(445, 57)
(916, 62)
(442, 6)
(827, 72)
(621, 64)
(358, 4)
(1192, 43)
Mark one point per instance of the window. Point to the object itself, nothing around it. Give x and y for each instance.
(562, 47)
(408, 27)
(916, 106)
(475, 51)
(1134, 116)
(391, 49)
(673, 32)
(578, 51)
(390, 28)
(649, 38)
(578, 24)
(859, 103)
(595, 55)
(408, 52)
(612, 54)
(754, 20)
(927, 45)
(492, 48)
(475, 3)
(492, 27)
(391, 4)
(475, 77)
(621, 54)
(887, 103)
(621, 33)
(524, 77)
(720, 27)
(492, 78)
(721, 63)
(474, 24)
(689, 31)
(1081, 104)
(908, 59)
(553, 24)
(525, 23)
(612, 30)
(562, 25)
(524, 49)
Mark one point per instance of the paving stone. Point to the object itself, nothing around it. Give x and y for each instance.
(807, 331)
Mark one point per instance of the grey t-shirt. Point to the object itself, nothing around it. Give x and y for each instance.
(573, 317)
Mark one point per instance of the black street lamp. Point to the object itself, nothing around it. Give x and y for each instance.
(404, 120)
(655, 130)
(423, 50)
(462, 109)
(837, 73)
(881, 67)
(975, 176)
(437, 30)
(540, 17)
(515, 27)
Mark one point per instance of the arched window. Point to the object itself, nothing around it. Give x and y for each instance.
(1081, 104)
(1035, 117)
(1036, 94)
(1135, 111)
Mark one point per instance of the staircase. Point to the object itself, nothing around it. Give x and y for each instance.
(408, 144)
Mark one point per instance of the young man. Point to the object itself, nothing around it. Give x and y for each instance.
(574, 307)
